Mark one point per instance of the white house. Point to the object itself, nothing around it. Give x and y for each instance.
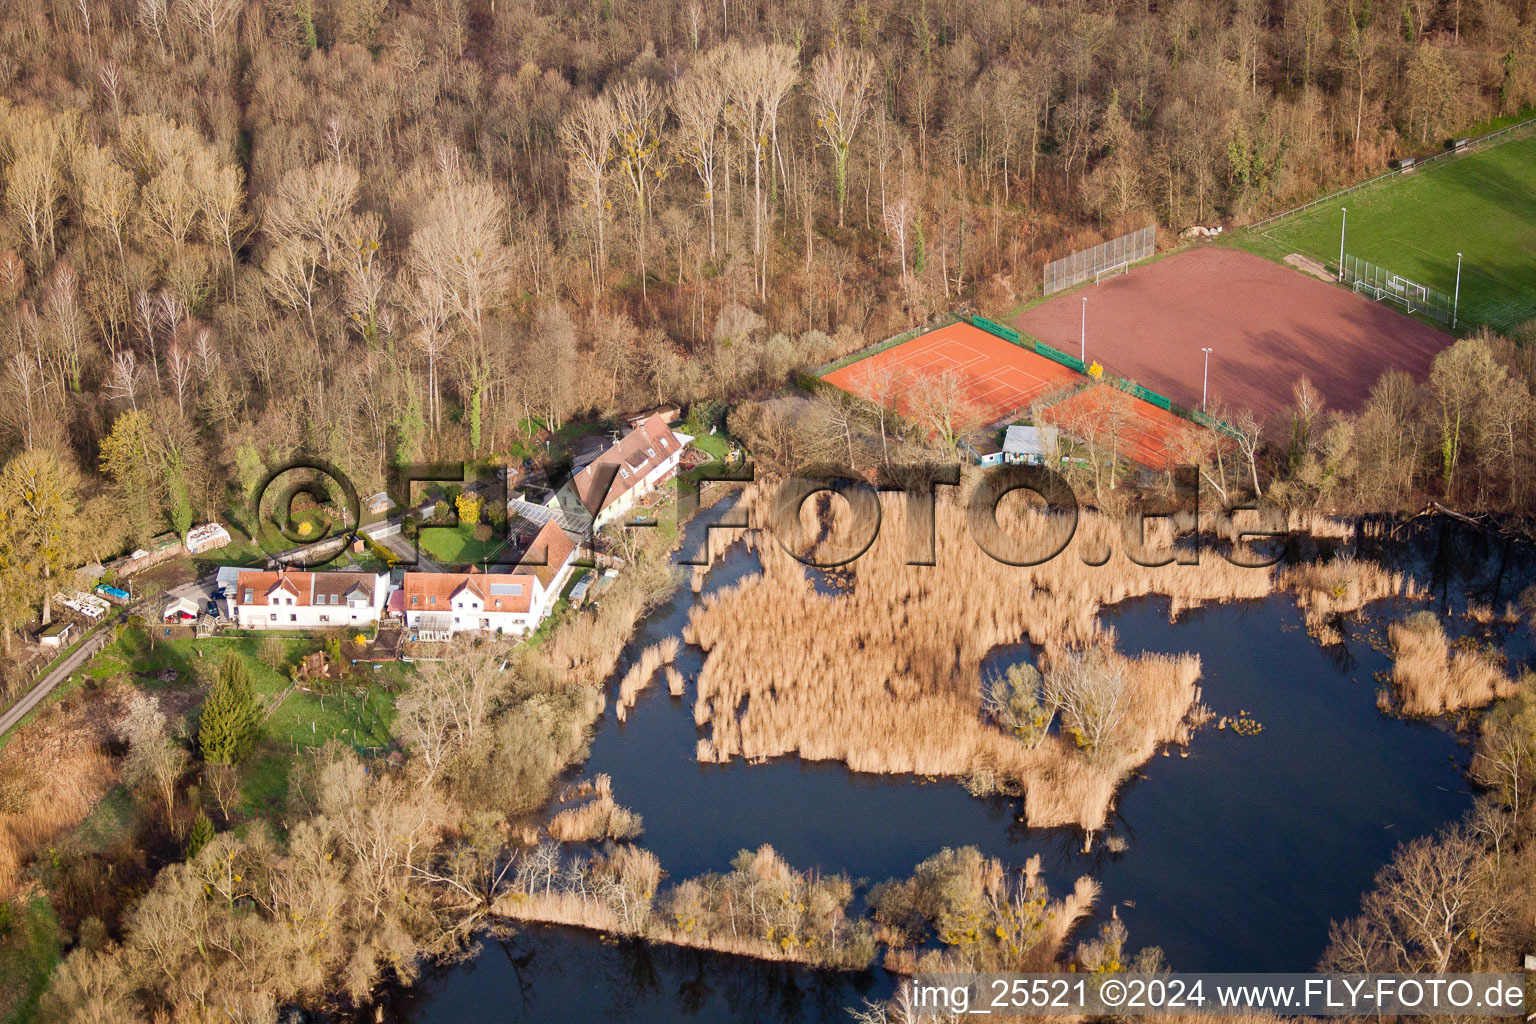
(610, 485)
(436, 605)
(1034, 446)
(307, 600)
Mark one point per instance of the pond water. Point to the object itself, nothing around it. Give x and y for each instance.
(1236, 857)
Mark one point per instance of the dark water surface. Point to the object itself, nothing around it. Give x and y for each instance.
(1236, 857)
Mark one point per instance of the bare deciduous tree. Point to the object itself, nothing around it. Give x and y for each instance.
(698, 100)
(589, 135)
(840, 82)
(154, 761)
(1091, 692)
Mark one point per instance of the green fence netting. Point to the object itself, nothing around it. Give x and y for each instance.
(1060, 357)
(993, 327)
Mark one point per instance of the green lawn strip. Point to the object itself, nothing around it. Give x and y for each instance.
(30, 948)
(717, 445)
(264, 793)
(358, 715)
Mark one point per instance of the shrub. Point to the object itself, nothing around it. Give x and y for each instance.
(200, 836)
(1014, 702)
(468, 506)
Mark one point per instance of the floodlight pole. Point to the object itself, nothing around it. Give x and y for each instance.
(1205, 384)
(1456, 302)
(1082, 337)
(1343, 225)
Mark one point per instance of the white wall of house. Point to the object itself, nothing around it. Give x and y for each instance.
(283, 610)
(469, 617)
(626, 501)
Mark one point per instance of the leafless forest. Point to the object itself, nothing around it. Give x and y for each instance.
(382, 232)
(395, 230)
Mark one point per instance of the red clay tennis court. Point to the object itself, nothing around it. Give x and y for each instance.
(1266, 324)
(998, 378)
(1139, 431)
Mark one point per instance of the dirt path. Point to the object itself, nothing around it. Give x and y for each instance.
(76, 658)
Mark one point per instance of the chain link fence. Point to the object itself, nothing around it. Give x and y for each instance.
(1382, 285)
(1117, 252)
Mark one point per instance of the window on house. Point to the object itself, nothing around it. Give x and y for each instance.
(432, 599)
(651, 452)
(250, 595)
(274, 616)
(325, 618)
(293, 618)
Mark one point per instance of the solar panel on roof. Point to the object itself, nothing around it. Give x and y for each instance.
(509, 589)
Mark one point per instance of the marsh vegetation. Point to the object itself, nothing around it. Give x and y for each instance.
(884, 672)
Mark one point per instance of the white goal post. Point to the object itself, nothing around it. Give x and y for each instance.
(1383, 285)
(1113, 256)
(1119, 268)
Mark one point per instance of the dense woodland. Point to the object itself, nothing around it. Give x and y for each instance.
(380, 231)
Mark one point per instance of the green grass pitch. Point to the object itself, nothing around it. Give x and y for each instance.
(1482, 205)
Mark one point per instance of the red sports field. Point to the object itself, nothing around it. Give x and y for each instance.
(999, 378)
(1267, 325)
(1136, 430)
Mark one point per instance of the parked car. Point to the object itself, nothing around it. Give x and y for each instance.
(213, 607)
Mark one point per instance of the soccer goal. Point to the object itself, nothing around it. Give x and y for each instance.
(1382, 285)
(1112, 257)
(1118, 268)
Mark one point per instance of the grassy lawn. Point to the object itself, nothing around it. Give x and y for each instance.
(30, 948)
(456, 545)
(717, 445)
(241, 550)
(357, 715)
(1482, 205)
(357, 711)
(265, 791)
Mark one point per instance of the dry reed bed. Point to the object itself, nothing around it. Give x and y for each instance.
(1432, 679)
(52, 773)
(1327, 590)
(569, 908)
(596, 819)
(884, 676)
(640, 674)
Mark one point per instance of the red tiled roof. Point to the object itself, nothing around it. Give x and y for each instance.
(641, 451)
(304, 586)
(546, 553)
(435, 591)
